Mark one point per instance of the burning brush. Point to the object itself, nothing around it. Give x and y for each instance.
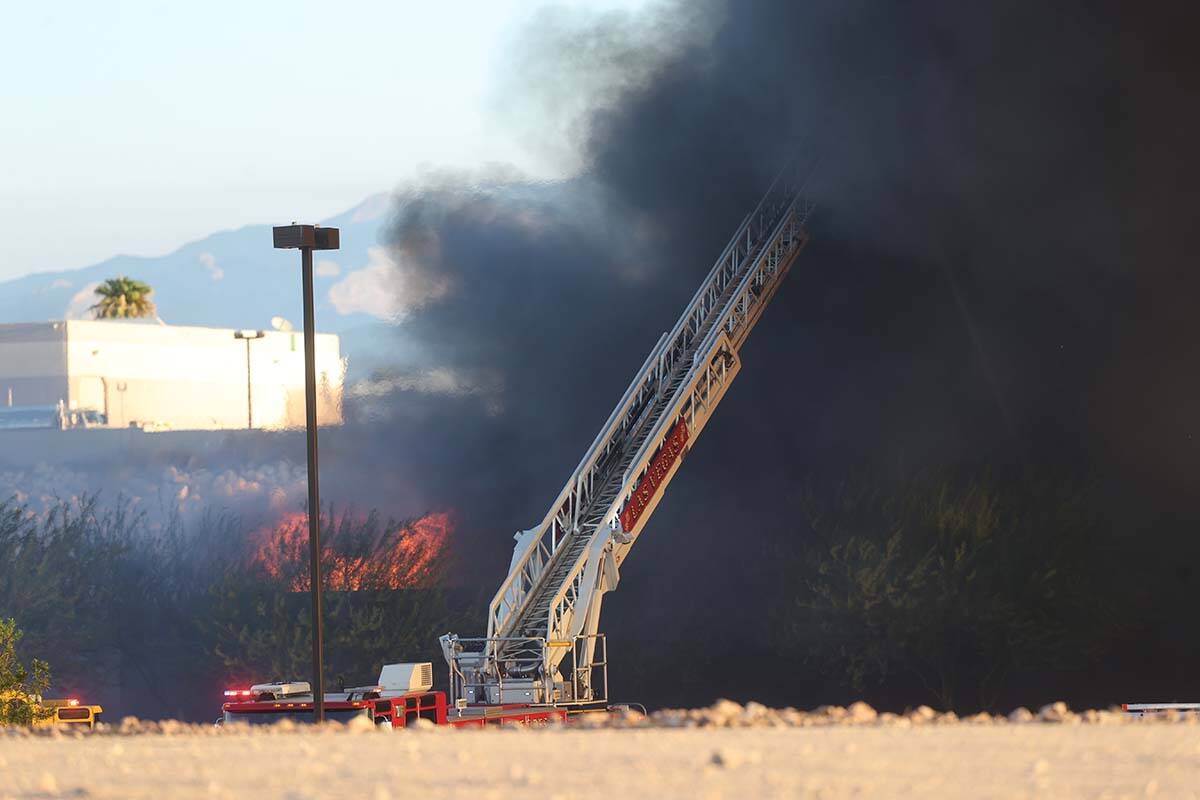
(358, 553)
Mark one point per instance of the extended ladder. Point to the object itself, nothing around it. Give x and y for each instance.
(548, 606)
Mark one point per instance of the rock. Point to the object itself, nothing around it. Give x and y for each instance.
(832, 713)
(628, 716)
(173, 727)
(1053, 712)
(921, 714)
(729, 758)
(47, 784)
(792, 717)
(861, 713)
(756, 715)
(722, 713)
(361, 725)
(1021, 714)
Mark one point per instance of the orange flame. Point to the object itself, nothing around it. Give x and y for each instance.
(403, 557)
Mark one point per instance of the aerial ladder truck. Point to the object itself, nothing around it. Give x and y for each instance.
(543, 643)
(543, 654)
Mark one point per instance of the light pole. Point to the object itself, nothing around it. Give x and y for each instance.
(307, 238)
(249, 336)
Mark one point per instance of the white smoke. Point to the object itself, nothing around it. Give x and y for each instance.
(209, 262)
(81, 302)
(386, 288)
(253, 491)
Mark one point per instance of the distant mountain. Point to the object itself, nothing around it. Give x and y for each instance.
(231, 279)
(228, 279)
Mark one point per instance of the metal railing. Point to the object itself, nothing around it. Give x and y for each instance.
(583, 683)
(589, 652)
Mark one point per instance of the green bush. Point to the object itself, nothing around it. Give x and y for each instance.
(21, 687)
(956, 584)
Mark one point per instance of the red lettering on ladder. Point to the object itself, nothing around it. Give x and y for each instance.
(672, 448)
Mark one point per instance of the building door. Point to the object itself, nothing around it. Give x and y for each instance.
(90, 395)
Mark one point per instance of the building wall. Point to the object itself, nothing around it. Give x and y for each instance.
(33, 363)
(164, 377)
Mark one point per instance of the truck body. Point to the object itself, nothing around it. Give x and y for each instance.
(386, 703)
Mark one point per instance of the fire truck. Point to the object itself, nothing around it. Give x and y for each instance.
(403, 697)
(543, 656)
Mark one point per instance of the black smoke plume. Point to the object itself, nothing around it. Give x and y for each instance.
(997, 281)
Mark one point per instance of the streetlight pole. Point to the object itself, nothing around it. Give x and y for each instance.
(249, 336)
(307, 238)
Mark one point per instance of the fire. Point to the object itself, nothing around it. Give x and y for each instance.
(357, 553)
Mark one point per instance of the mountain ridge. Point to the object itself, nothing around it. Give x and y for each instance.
(228, 278)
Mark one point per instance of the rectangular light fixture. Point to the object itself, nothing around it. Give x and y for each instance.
(311, 236)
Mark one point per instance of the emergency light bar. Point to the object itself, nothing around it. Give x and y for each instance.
(237, 693)
(280, 689)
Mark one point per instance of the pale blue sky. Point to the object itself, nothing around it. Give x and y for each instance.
(133, 127)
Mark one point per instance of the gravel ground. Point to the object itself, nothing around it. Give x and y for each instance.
(727, 755)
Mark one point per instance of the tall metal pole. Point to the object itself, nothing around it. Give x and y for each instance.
(249, 396)
(314, 495)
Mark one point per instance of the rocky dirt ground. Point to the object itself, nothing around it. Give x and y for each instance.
(725, 751)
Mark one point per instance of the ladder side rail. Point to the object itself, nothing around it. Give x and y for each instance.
(702, 352)
(730, 268)
(727, 264)
(783, 241)
(521, 580)
(561, 620)
(770, 268)
(778, 196)
(778, 257)
(524, 573)
(778, 185)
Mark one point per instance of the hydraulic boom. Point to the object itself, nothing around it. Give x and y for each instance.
(543, 643)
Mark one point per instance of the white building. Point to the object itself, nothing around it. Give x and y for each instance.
(161, 377)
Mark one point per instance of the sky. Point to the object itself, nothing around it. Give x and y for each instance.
(135, 127)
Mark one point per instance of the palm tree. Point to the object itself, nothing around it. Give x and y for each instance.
(124, 298)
